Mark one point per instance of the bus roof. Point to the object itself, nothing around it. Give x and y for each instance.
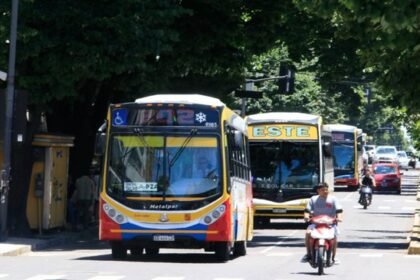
(341, 127)
(283, 117)
(181, 99)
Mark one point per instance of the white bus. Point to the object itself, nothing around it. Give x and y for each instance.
(347, 154)
(290, 153)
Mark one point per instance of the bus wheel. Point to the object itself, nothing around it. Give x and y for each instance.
(119, 252)
(136, 251)
(239, 248)
(222, 250)
(152, 251)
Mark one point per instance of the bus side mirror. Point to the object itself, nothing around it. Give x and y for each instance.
(100, 141)
(100, 144)
(326, 148)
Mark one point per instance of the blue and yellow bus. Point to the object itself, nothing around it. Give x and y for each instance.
(347, 154)
(290, 153)
(176, 174)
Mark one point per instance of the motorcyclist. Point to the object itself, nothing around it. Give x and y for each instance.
(322, 204)
(367, 180)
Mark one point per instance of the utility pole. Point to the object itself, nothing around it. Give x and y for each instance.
(10, 91)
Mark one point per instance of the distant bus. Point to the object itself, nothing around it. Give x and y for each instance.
(176, 174)
(290, 153)
(348, 155)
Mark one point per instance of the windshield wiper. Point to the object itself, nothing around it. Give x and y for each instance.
(182, 148)
(164, 181)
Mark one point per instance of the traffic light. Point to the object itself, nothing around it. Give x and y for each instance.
(286, 82)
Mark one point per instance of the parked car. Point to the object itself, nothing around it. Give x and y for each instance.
(386, 154)
(387, 177)
(403, 160)
(370, 150)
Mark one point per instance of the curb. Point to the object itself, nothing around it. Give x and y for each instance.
(414, 246)
(16, 246)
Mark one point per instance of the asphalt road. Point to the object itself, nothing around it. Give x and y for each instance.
(372, 245)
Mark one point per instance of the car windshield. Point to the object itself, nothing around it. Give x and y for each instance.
(384, 170)
(402, 154)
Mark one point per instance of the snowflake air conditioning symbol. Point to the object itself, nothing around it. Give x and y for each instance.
(200, 117)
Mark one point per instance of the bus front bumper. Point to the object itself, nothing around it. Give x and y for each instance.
(286, 210)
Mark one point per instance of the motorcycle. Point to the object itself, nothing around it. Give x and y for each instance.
(321, 241)
(365, 196)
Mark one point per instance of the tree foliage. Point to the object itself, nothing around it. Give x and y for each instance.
(75, 57)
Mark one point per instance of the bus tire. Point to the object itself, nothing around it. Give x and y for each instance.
(136, 251)
(239, 248)
(119, 252)
(222, 250)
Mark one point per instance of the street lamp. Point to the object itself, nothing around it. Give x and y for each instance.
(5, 173)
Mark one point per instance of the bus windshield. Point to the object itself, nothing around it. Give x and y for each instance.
(142, 166)
(343, 159)
(288, 165)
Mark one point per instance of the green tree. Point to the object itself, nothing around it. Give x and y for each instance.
(386, 35)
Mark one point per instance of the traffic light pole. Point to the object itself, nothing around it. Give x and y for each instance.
(5, 173)
(249, 85)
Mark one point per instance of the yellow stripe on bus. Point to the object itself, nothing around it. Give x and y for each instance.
(157, 141)
(283, 131)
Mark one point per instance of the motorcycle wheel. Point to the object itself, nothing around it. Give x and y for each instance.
(320, 260)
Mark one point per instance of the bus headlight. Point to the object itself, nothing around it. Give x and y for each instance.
(114, 214)
(111, 213)
(214, 215)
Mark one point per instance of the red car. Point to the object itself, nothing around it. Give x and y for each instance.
(387, 177)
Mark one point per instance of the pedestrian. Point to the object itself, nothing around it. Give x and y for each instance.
(83, 199)
(96, 191)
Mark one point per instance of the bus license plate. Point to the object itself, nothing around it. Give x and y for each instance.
(279, 210)
(165, 238)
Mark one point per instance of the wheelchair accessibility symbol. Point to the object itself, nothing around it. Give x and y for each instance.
(119, 117)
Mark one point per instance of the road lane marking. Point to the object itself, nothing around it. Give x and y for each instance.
(224, 278)
(47, 277)
(384, 207)
(279, 254)
(168, 278)
(107, 277)
(389, 200)
(279, 242)
(371, 255)
(409, 208)
(412, 256)
(3, 275)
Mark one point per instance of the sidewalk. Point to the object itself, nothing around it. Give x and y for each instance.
(14, 246)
